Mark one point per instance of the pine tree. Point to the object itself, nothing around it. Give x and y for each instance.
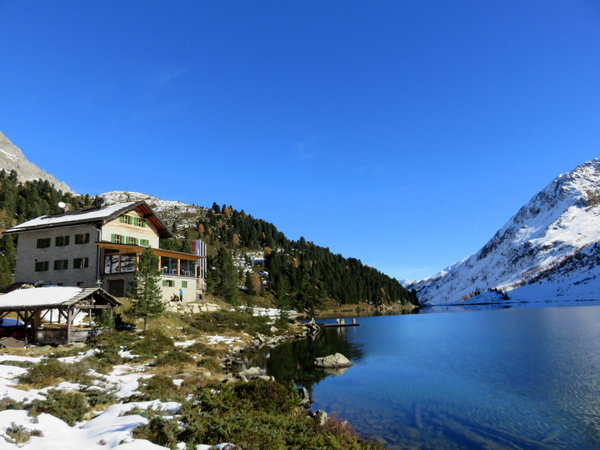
(145, 289)
(227, 277)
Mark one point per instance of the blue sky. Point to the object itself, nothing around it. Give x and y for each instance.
(402, 133)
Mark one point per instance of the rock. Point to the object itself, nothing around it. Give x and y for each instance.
(273, 329)
(305, 399)
(320, 417)
(332, 361)
(265, 378)
(252, 372)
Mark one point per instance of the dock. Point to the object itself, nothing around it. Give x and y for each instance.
(338, 325)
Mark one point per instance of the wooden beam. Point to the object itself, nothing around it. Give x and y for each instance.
(69, 320)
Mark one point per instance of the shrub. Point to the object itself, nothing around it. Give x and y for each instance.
(211, 364)
(269, 396)
(68, 406)
(152, 344)
(174, 358)
(205, 349)
(219, 321)
(18, 434)
(51, 372)
(158, 387)
(99, 396)
(159, 430)
(23, 364)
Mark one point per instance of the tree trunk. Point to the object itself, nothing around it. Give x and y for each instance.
(145, 324)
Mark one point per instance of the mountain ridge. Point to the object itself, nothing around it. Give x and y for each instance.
(557, 224)
(13, 158)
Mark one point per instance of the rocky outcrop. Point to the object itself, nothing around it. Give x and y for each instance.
(334, 361)
(12, 158)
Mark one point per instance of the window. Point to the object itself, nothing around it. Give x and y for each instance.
(169, 283)
(44, 243)
(144, 242)
(82, 238)
(168, 265)
(41, 266)
(131, 220)
(188, 268)
(61, 241)
(80, 263)
(184, 284)
(119, 263)
(117, 238)
(131, 240)
(61, 264)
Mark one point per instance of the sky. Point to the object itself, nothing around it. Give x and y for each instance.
(401, 133)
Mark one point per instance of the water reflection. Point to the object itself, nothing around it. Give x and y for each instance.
(294, 361)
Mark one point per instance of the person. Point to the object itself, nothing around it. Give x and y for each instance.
(180, 295)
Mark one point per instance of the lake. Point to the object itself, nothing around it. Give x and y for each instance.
(509, 378)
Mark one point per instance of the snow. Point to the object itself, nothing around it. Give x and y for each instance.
(212, 340)
(524, 256)
(95, 214)
(186, 344)
(110, 429)
(52, 295)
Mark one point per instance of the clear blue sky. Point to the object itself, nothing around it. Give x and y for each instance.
(402, 133)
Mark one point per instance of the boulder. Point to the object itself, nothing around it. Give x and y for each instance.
(332, 361)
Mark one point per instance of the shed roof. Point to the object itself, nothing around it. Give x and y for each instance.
(52, 297)
(91, 215)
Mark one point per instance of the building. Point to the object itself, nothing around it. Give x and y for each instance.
(100, 246)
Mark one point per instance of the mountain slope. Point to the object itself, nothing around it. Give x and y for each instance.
(548, 249)
(12, 158)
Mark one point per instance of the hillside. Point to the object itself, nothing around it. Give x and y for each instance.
(547, 251)
(12, 158)
(267, 263)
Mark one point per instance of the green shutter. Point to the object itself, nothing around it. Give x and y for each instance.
(121, 219)
(113, 238)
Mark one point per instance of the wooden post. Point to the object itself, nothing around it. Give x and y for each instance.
(69, 319)
(178, 266)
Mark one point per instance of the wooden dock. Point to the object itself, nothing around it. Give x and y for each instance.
(338, 325)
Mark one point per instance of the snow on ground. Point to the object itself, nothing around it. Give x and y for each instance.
(212, 340)
(273, 313)
(125, 378)
(186, 344)
(109, 429)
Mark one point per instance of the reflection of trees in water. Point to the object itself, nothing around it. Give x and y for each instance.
(294, 361)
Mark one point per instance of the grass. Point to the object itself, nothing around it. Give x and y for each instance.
(175, 359)
(220, 321)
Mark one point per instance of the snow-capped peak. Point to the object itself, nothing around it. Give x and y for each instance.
(555, 225)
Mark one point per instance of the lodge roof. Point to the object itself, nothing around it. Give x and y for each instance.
(53, 297)
(97, 215)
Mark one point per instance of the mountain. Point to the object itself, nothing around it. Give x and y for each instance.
(549, 250)
(12, 158)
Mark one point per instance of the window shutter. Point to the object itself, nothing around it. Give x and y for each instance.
(113, 238)
(121, 219)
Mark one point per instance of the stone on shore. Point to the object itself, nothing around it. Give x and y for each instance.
(332, 361)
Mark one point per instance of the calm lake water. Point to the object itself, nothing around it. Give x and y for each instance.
(510, 378)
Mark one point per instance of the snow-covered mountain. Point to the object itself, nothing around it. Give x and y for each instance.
(549, 250)
(12, 158)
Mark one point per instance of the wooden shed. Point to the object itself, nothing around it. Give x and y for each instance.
(53, 315)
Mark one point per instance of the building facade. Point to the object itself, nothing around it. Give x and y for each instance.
(100, 247)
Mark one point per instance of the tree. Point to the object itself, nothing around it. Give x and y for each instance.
(145, 289)
(226, 277)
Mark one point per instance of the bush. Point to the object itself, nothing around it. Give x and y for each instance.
(152, 344)
(205, 349)
(258, 414)
(68, 406)
(158, 387)
(219, 321)
(99, 396)
(269, 396)
(160, 431)
(211, 364)
(51, 372)
(174, 358)
(18, 434)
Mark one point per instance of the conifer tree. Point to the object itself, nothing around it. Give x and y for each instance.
(145, 289)
(227, 277)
